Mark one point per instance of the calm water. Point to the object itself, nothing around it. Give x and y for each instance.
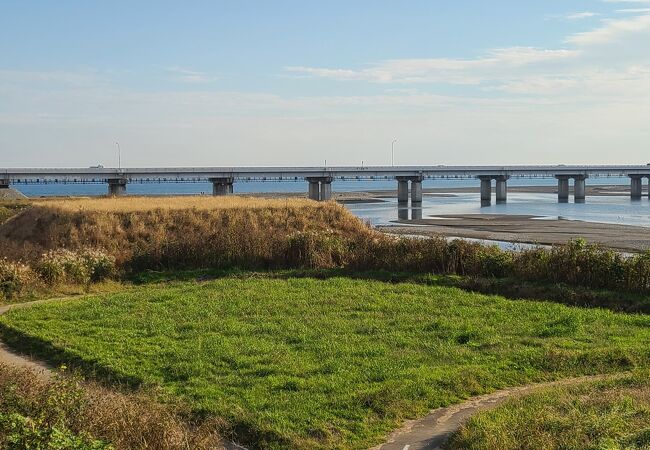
(615, 209)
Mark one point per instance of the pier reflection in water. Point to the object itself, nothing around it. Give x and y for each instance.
(607, 209)
(413, 212)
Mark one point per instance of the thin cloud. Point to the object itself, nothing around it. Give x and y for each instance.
(612, 30)
(490, 66)
(573, 16)
(190, 76)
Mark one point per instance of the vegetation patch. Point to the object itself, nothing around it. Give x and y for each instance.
(612, 414)
(65, 413)
(223, 233)
(335, 363)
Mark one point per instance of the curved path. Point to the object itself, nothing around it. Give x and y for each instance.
(9, 357)
(432, 431)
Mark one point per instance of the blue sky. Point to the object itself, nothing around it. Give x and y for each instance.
(297, 82)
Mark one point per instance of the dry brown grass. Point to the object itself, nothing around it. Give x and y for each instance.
(202, 203)
(174, 231)
(128, 421)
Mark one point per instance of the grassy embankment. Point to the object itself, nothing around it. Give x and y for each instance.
(613, 414)
(336, 363)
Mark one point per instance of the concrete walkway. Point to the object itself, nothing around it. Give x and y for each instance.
(431, 432)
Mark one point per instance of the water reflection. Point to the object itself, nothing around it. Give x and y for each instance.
(404, 212)
(607, 209)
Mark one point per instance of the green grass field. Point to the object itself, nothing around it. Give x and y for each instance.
(337, 363)
(612, 414)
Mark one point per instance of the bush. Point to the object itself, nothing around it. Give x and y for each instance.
(65, 412)
(15, 278)
(82, 267)
(18, 432)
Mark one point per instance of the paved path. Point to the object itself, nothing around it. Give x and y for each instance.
(432, 431)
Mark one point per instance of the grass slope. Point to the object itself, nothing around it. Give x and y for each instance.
(337, 363)
(196, 231)
(613, 414)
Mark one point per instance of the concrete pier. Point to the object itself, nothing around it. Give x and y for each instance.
(222, 186)
(402, 190)
(562, 189)
(314, 190)
(325, 191)
(502, 189)
(636, 187)
(4, 183)
(320, 188)
(579, 189)
(117, 186)
(416, 191)
(486, 190)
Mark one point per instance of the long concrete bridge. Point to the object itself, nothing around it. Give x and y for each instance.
(319, 179)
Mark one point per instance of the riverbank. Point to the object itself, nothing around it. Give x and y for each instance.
(525, 229)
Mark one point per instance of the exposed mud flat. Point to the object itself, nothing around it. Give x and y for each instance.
(526, 229)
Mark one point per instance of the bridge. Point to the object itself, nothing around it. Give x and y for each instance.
(319, 179)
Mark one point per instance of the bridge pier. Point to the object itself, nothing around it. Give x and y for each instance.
(416, 191)
(502, 189)
(222, 186)
(562, 188)
(403, 189)
(486, 190)
(117, 186)
(320, 188)
(325, 190)
(579, 187)
(314, 190)
(636, 186)
(4, 183)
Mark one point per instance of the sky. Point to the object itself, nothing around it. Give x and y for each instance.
(243, 83)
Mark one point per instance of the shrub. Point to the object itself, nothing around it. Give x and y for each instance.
(494, 262)
(18, 432)
(65, 412)
(15, 278)
(81, 267)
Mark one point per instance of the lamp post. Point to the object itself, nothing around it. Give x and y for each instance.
(119, 156)
(392, 153)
